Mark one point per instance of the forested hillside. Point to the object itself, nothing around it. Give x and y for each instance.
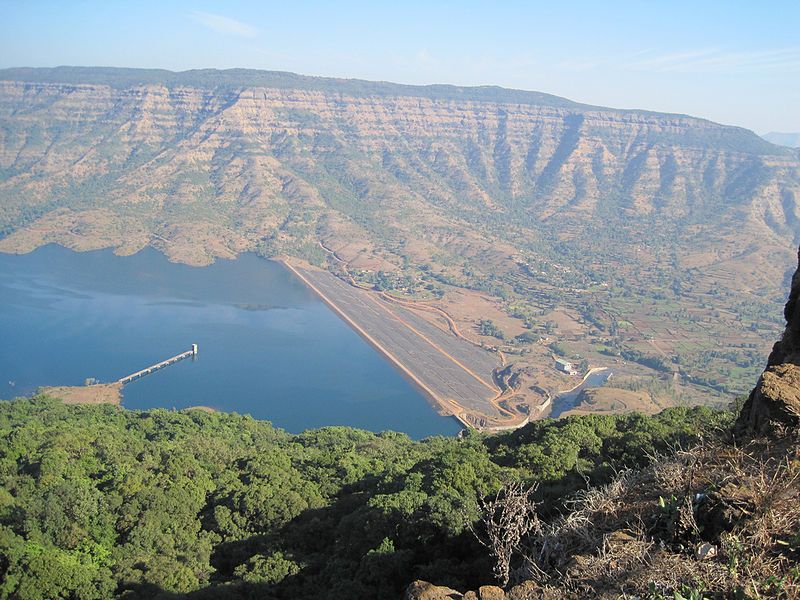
(97, 501)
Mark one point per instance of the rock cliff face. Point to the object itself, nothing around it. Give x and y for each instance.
(775, 401)
(787, 350)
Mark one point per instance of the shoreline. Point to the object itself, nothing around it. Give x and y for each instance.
(589, 373)
(96, 393)
(434, 389)
(430, 395)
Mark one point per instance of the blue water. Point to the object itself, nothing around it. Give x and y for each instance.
(567, 400)
(267, 346)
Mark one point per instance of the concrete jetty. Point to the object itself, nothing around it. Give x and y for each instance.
(192, 352)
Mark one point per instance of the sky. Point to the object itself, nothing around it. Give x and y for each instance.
(735, 62)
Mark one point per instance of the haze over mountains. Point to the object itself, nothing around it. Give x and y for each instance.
(790, 140)
(498, 190)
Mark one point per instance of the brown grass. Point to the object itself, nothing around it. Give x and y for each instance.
(719, 520)
(101, 393)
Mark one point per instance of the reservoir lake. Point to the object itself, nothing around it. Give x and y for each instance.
(268, 346)
(568, 400)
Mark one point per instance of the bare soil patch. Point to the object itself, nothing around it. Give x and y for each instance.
(100, 393)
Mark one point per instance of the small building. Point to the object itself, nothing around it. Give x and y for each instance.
(565, 366)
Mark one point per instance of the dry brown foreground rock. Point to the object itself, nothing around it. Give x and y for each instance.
(422, 590)
(775, 401)
(528, 590)
(486, 592)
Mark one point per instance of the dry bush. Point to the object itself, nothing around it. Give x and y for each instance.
(507, 519)
(591, 515)
(716, 520)
(761, 495)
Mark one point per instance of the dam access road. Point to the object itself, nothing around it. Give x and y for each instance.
(455, 374)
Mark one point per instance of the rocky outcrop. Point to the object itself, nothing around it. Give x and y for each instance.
(527, 590)
(422, 590)
(775, 401)
(787, 350)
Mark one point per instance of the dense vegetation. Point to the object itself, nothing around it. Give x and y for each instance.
(99, 501)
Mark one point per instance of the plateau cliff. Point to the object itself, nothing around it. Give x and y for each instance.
(221, 161)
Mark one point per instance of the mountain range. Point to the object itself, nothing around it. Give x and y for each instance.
(531, 198)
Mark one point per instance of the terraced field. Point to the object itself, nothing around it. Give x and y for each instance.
(453, 372)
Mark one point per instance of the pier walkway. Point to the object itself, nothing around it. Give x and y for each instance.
(157, 366)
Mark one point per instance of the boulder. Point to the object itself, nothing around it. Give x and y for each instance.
(528, 590)
(422, 590)
(491, 592)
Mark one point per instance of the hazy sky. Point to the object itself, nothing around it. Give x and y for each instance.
(736, 62)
